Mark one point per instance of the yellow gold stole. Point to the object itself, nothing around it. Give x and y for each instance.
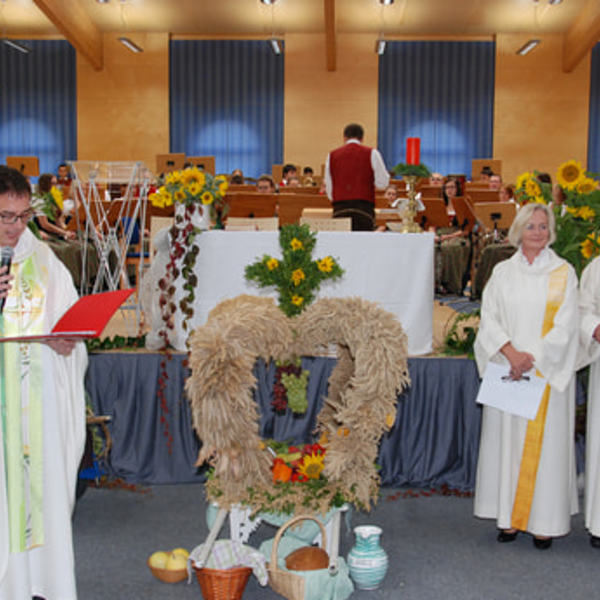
(532, 448)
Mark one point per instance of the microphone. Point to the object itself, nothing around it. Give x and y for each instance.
(6, 254)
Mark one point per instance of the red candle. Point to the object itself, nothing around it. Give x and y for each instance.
(413, 150)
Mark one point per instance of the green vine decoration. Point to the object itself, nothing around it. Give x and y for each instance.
(296, 276)
(419, 170)
(460, 341)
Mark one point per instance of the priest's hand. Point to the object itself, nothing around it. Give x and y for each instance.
(61, 346)
(5, 281)
(520, 362)
(596, 335)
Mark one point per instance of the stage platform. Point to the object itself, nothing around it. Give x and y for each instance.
(434, 441)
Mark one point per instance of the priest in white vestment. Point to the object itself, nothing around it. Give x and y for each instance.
(529, 319)
(42, 411)
(589, 304)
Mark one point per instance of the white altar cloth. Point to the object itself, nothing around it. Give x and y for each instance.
(394, 270)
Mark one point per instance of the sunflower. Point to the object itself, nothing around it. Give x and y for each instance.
(296, 244)
(586, 185)
(585, 212)
(297, 300)
(589, 246)
(193, 175)
(167, 197)
(174, 178)
(207, 198)
(532, 188)
(157, 200)
(325, 265)
(312, 465)
(569, 174)
(272, 263)
(523, 178)
(297, 276)
(194, 188)
(179, 195)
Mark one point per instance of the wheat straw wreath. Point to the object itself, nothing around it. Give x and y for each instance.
(359, 408)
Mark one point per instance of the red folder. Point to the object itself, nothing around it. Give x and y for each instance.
(85, 319)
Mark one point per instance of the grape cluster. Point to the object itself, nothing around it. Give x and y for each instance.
(289, 388)
(296, 385)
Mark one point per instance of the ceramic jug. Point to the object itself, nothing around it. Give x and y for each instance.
(367, 560)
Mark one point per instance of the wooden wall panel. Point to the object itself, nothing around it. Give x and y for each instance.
(123, 110)
(319, 103)
(540, 113)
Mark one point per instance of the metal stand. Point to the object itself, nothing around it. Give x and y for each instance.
(408, 220)
(113, 198)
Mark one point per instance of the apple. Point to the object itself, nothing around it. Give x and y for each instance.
(176, 562)
(158, 560)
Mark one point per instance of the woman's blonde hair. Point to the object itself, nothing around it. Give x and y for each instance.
(525, 213)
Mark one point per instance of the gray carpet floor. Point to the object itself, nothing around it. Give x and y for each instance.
(437, 549)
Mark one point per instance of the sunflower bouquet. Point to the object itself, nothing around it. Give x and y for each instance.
(576, 203)
(192, 187)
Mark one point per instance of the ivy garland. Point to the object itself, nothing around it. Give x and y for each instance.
(419, 170)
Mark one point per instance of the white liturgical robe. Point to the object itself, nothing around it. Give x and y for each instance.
(46, 570)
(589, 303)
(513, 309)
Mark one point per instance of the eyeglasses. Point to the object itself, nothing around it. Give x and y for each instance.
(8, 218)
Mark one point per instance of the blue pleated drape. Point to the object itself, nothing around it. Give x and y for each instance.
(594, 126)
(38, 102)
(443, 93)
(226, 100)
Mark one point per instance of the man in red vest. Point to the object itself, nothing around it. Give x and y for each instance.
(352, 172)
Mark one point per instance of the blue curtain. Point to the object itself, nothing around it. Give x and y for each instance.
(226, 100)
(443, 93)
(38, 103)
(594, 126)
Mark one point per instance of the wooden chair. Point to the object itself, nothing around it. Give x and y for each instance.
(291, 206)
(324, 224)
(316, 213)
(251, 204)
(435, 214)
(247, 224)
(483, 195)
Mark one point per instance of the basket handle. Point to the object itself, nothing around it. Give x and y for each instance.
(291, 522)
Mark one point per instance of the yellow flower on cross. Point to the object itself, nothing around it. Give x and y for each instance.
(296, 244)
(297, 300)
(272, 264)
(297, 276)
(325, 264)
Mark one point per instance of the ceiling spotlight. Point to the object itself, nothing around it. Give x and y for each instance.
(102, 1)
(268, 1)
(380, 45)
(276, 45)
(527, 47)
(131, 45)
(553, 2)
(386, 2)
(16, 46)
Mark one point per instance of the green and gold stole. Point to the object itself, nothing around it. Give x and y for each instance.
(532, 448)
(21, 407)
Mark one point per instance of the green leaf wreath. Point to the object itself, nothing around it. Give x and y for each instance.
(296, 275)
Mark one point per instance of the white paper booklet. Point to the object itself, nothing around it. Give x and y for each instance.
(521, 398)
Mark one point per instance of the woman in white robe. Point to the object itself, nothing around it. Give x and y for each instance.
(589, 305)
(513, 311)
(37, 560)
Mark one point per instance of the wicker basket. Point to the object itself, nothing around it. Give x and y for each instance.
(290, 585)
(223, 584)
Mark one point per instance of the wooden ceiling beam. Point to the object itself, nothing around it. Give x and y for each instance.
(72, 20)
(582, 35)
(330, 42)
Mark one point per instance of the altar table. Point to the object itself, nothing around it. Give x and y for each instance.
(394, 270)
(433, 442)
